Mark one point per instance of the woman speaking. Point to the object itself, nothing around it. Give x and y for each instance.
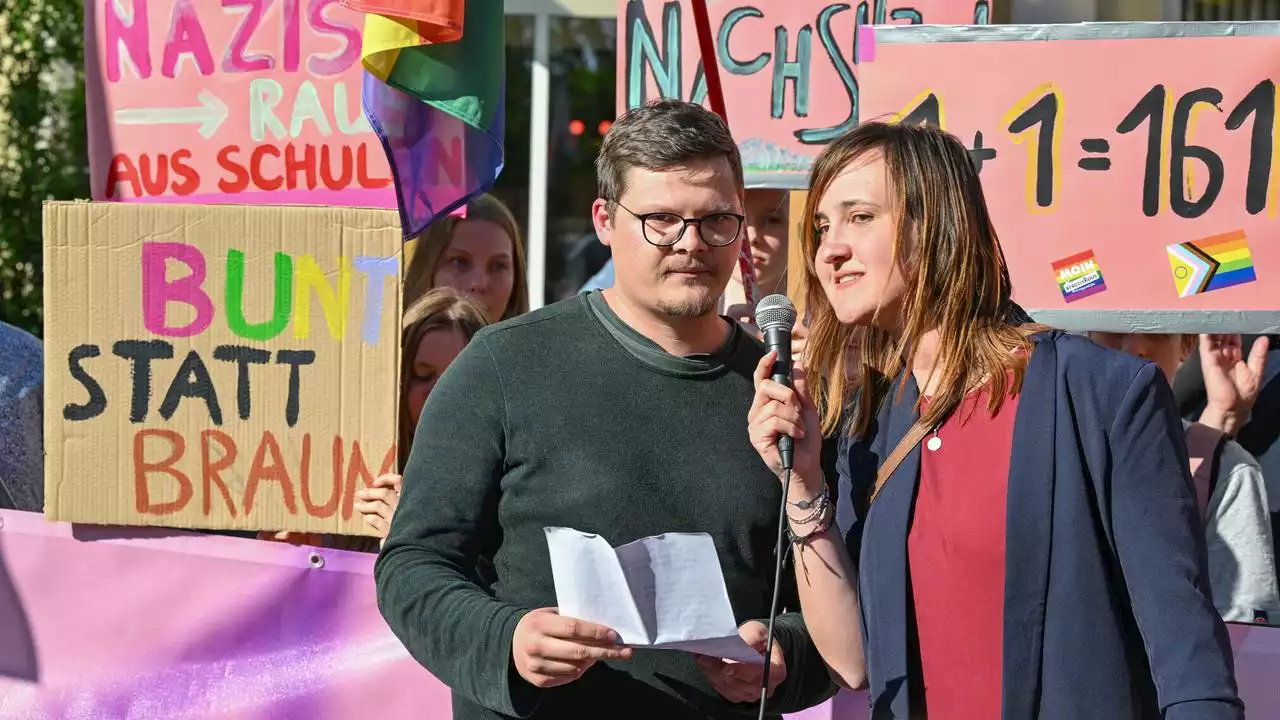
(1014, 533)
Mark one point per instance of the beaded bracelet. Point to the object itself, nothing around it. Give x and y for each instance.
(823, 525)
(807, 504)
(816, 506)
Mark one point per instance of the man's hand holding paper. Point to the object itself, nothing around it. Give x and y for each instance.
(740, 682)
(549, 649)
(664, 592)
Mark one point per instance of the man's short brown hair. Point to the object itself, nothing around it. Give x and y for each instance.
(659, 136)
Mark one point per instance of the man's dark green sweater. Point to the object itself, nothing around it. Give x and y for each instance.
(568, 417)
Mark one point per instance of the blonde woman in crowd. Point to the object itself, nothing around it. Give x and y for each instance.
(480, 255)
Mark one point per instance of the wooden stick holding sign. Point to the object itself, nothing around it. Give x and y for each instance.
(796, 284)
(715, 95)
(1148, 203)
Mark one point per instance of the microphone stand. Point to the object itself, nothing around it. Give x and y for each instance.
(777, 317)
(777, 586)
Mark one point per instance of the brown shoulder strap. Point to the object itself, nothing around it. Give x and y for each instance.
(891, 463)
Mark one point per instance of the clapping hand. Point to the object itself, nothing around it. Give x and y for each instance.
(378, 503)
(1231, 381)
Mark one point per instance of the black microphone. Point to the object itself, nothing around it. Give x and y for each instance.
(776, 317)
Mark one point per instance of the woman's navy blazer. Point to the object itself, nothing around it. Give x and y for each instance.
(1107, 611)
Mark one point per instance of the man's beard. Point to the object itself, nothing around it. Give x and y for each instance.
(689, 307)
(701, 304)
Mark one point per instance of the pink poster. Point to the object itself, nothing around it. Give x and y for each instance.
(789, 69)
(1154, 194)
(159, 624)
(242, 101)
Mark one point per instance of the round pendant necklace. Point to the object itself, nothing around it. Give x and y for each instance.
(934, 442)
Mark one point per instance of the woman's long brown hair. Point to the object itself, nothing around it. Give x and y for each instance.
(440, 308)
(955, 275)
(432, 243)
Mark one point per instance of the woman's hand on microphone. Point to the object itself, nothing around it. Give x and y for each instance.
(778, 410)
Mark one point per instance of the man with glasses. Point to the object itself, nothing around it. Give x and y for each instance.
(616, 413)
(765, 232)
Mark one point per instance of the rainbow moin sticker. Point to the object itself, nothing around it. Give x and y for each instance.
(1212, 263)
(1079, 276)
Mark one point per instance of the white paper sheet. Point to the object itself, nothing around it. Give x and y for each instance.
(665, 592)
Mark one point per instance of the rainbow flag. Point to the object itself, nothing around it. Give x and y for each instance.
(434, 92)
(1212, 263)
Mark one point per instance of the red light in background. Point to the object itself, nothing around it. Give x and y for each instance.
(604, 126)
(576, 128)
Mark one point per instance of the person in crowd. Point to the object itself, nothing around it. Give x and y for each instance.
(766, 238)
(602, 280)
(768, 212)
(1258, 430)
(1235, 508)
(1248, 408)
(435, 329)
(1016, 533)
(22, 427)
(480, 255)
(612, 413)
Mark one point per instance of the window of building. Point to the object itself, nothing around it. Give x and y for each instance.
(512, 187)
(1231, 9)
(579, 67)
(582, 106)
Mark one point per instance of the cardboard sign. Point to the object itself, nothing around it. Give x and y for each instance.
(1160, 186)
(789, 69)
(243, 101)
(219, 366)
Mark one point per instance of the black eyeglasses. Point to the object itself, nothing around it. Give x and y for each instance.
(665, 229)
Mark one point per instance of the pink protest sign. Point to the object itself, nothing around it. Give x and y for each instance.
(1146, 202)
(243, 101)
(789, 69)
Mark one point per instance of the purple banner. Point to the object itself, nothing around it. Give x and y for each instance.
(127, 623)
(160, 625)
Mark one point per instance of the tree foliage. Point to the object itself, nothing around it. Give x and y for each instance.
(43, 142)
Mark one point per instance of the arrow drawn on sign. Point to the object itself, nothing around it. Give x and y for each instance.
(209, 114)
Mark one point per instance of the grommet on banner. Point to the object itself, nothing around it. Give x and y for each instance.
(316, 560)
